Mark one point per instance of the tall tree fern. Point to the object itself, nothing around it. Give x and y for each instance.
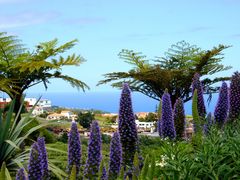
(21, 68)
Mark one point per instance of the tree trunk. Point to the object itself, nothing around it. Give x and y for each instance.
(173, 100)
(17, 106)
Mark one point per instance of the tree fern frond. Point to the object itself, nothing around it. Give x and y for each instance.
(70, 60)
(73, 82)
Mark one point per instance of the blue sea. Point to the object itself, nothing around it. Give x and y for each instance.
(109, 101)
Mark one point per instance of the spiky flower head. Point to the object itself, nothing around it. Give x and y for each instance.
(127, 127)
(115, 157)
(35, 170)
(94, 152)
(74, 148)
(167, 125)
(44, 157)
(104, 174)
(196, 84)
(221, 109)
(179, 118)
(21, 175)
(234, 109)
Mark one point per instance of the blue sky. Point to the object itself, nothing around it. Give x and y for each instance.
(104, 27)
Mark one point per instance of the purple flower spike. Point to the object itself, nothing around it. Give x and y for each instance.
(234, 110)
(104, 174)
(115, 157)
(179, 118)
(21, 175)
(196, 84)
(35, 170)
(94, 152)
(44, 157)
(221, 110)
(127, 127)
(74, 148)
(168, 129)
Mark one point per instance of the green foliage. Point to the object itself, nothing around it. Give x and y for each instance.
(50, 137)
(100, 173)
(151, 117)
(121, 174)
(151, 170)
(195, 113)
(159, 110)
(106, 138)
(64, 137)
(4, 173)
(11, 138)
(136, 170)
(85, 119)
(73, 175)
(197, 122)
(145, 169)
(175, 71)
(21, 69)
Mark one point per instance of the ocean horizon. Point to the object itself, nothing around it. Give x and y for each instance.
(109, 101)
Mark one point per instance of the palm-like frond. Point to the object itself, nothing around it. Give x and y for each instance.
(174, 72)
(11, 137)
(73, 82)
(21, 69)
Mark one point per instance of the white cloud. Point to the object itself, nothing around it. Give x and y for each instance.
(25, 19)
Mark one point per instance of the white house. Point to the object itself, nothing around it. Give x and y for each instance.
(45, 103)
(55, 116)
(37, 111)
(31, 101)
(63, 115)
(5, 99)
(144, 125)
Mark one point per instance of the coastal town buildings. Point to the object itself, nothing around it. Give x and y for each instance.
(39, 107)
(69, 115)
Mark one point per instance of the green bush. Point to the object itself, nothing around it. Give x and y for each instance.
(106, 139)
(63, 137)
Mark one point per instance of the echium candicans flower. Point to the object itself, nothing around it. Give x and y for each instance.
(167, 125)
(234, 97)
(115, 157)
(221, 109)
(44, 157)
(104, 174)
(94, 152)
(127, 127)
(179, 118)
(74, 148)
(21, 175)
(196, 84)
(35, 170)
